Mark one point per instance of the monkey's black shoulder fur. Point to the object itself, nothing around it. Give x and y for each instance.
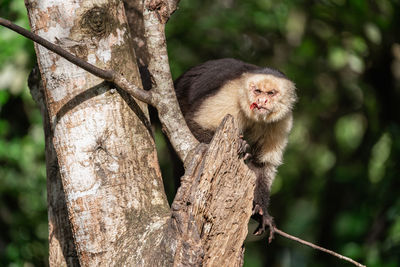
(204, 80)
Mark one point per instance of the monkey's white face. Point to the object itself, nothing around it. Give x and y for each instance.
(269, 98)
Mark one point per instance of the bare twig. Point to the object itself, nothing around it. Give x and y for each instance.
(280, 232)
(108, 75)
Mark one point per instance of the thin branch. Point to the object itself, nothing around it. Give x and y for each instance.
(108, 75)
(124, 84)
(280, 232)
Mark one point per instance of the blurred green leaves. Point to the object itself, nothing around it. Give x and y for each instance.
(349, 131)
(380, 154)
(373, 33)
(337, 57)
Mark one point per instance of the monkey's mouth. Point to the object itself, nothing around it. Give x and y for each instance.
(259, 108)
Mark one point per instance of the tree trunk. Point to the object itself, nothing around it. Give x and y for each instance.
(104, 146)
(107, 205)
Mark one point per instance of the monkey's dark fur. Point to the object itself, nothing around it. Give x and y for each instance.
(261, 101)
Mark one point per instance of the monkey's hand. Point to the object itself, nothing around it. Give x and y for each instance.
(244, 149)
(264, 219)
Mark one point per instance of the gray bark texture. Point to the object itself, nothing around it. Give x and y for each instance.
(106, 200)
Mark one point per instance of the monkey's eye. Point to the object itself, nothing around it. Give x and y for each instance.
(271, 93)
(257, 91)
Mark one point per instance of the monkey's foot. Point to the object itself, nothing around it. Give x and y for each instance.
(244, 149)
(264, 219)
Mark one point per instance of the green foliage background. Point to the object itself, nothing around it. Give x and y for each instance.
(340, 184)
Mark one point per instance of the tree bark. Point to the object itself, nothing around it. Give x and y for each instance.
(62, 250)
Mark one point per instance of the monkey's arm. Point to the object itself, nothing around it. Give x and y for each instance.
(265, 166)
(265, 176)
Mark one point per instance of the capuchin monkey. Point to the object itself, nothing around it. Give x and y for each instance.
(261, 101)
